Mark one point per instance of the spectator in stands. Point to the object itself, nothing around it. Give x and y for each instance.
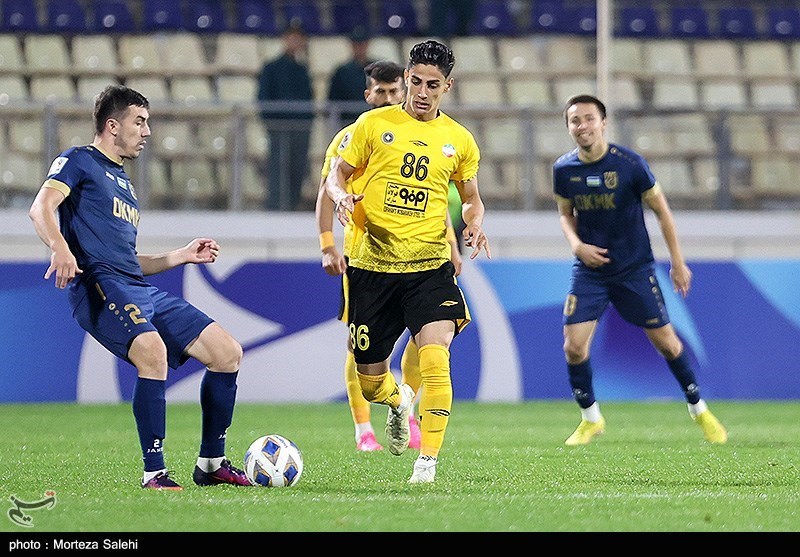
(601, 188)
(346, 80)
(285, 94)
(442, 12)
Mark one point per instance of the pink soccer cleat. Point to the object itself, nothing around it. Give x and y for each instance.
(416, 435)
(368, 443)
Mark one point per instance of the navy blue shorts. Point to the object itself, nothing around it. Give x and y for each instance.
(115, 310)
(635, 295)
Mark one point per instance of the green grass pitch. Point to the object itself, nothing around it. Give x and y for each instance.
(503, 468)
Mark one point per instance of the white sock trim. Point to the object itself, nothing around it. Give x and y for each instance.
(209, 464)
(592, 414)
(147, 476)
(697, 409)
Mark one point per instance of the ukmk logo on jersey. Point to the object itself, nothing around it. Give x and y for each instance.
(57, 165)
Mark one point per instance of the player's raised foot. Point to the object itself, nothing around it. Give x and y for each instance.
(161, 481)
(414, 434)
(585, 431)
(368, 443)
(713, 431)
(424, 470)
(397, 430)
(227, 473)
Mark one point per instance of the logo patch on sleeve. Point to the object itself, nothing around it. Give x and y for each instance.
(57, 165)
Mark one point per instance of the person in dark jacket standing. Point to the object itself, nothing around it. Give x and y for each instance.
(286, 97)
(347, 79)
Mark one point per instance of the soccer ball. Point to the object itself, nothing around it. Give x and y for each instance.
(273, 461)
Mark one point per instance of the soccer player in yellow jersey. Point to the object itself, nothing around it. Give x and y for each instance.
(399, 274)
(384, 87)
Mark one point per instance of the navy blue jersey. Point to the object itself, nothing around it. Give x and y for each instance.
(607, 197)
(100, 215)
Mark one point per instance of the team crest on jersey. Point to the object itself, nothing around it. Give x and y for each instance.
(121, 183)
(387, 138)
(610, 178)
(449, 151)
(344, 142)
(57, 165)
(133, 192)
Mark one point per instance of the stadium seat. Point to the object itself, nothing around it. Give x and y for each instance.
(254, 186)
(19, 16)
(625, 92)
(581, 20)
(94, 54)
(191, 90)
(194, 184)
(386, 48)
(306, 13)
(503, 138)
(154, 88)
(549, 17)
(723, 93)
(325, 53)
(691, 134)
(346, 15)
(12, 89)
(773, 95)
(737, 23)
(162, 15)
(565, 87)
(787, 135)
(520, 56)
(65, 16)
(11, 59)
(671, 91)
(140, 55)
(627, 57)
(667, 57)
(550, 138)
(22, 173)
(569, 54)
(256, 139)
(26, 135)
(236, 89)
(493, 17)
(255, 16)
(112, 16)
(650, 136)
(529, 91)
(674, 174)
(478, 52)
(74, 131)
(783, 23)
(90, 86)
(689, 22)
(775, 175)
(47, 54)
(766, 59)
(52, 88)
(237, 54)
(184, 54)
(749, 134)
(206, 16)
(175, 139)
(477, 90)
(716, 58)
(398, 17)
(638, 21)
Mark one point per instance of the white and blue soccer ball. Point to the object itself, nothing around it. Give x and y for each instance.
(273, 461)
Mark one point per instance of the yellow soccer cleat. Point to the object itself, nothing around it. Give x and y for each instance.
(585, 431)
(713, 431)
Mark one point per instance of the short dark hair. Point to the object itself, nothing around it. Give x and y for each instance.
(113, 101)
(383, 71)
(585, 98)
(432, 53)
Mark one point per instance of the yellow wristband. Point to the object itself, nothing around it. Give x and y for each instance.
(450, 235)
(326, 240)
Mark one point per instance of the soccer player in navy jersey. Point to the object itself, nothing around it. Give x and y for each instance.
(600, 188)
(93, 244)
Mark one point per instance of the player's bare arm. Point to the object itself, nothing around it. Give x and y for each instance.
(679, 272)
(199, 250)
(43, 215)
(332, 261)
(335, 186)
(472, 211)
(591, 256)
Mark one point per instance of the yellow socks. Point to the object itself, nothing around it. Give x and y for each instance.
(409, 366)
(382, 389)
(359, 407)
(437, 397)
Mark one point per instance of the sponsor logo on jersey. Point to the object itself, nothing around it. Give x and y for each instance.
(405, 199)
(419, 143)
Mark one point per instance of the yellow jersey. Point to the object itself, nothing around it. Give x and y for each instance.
(405, 166)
